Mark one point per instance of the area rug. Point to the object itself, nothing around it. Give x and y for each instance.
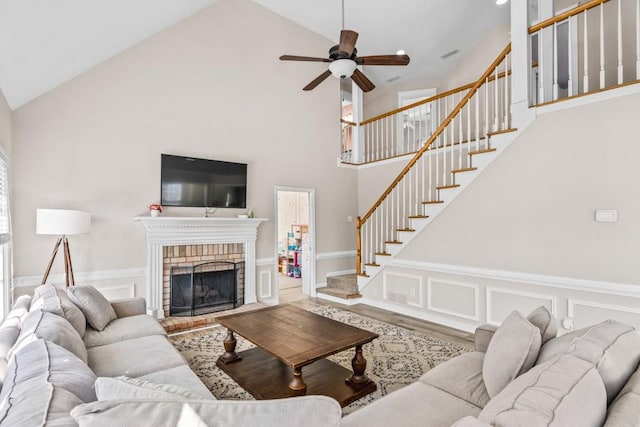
(394, 360)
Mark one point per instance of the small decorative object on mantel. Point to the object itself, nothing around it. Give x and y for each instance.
(155, 209)
(250, 213)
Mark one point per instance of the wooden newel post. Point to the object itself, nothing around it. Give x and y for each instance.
(359, 246)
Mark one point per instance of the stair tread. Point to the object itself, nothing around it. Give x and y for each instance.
(486, 150)
(498, 132)
(340, 293)
(444, 187)
(372, 264)
(383, 254)
(432, 202)
(393, 242)
(410, 230)
(363, 275)
(418, 216)
(464, 170)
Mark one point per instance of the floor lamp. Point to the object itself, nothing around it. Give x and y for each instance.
(63, 223)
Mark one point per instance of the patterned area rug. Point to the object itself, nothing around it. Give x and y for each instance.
(396, 359)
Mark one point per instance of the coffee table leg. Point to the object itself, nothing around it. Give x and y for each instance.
(359, 364)
(297, 383)
(230, 354)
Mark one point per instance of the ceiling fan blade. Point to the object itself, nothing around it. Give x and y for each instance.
(347, 41)
(362, 81)
(383, 60)
(303, 58)
(315, 82)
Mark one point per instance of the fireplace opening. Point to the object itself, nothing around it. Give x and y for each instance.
(205, 288)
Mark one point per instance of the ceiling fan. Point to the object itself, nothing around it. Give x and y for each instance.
(343, 61)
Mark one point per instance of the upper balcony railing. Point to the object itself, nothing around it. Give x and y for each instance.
(592, 47)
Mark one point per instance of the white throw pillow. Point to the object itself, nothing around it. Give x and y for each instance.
(189, 418)
(545, 321)
(93, 304)
(512, 351)
(134, 388)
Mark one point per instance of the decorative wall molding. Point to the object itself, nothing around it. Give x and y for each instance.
(476, 300)
(264, 285)
(262, 262)
(419, 294)
(490, 290)
(83, 276)
(170, 231)
(335, 255)
(573, 303)
(609, 288)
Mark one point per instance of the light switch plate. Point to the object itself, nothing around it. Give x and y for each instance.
(606, 215)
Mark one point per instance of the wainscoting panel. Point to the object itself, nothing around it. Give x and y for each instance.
(114, 292)
(454, 298)
(578, 311)
(501, 302)
(265, 285)
(403, 288)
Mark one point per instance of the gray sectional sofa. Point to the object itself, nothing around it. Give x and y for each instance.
(69, 359)
(522, 375)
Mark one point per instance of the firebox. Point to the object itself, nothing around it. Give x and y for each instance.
(205, 288)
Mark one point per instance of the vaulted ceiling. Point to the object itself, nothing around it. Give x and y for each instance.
(45, 43)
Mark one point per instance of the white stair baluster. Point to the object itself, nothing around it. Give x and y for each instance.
(602, 73)
(620, 67)
(556, 54)
(570, 58)
(585, 37)
(638, 39)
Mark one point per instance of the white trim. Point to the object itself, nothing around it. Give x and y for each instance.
(419, 279)
(608, 288)
(572, 303)
(261, 262)
(476, 299)
(265, 285)
(492, 289)
(592, 98)
(335, 255)
(130, 288)
(83, 276)
(400, 309)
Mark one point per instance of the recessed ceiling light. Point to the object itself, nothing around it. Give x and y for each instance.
(400, 52)
(499, 2)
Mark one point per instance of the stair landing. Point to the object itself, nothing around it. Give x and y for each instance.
(342, 288)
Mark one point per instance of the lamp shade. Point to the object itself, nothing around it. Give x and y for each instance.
(62, 222)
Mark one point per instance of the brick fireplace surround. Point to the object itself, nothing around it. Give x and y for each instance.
(191, 255)
(186, 232)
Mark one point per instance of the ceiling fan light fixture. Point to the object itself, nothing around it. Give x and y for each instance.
(342, 68)
(500, 2)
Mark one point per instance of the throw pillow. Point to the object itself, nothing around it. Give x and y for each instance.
(565, 391)
(48, 298)
(93, 304)
(189, 418)
(613, 347)
(545, 321)
(512, 351)
(47, 326)
(72, 313)
(134, 388)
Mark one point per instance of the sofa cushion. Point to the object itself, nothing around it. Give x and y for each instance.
(470, 422)
(20, 306)
(416, 405)
(48, 298)
(42, 404)
(93, 304)
(511, 352)
(181, 376)
(9, 332)
(542, 318)
(308, 411)
(42, 325)
(462, 377)
(612, 346)
(153, 353)
(189, 418)
(122, 329)
(623, 412)
(135, 388)
(565, 391)
(43, 361)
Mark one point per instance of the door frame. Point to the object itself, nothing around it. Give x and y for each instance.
(309, 276)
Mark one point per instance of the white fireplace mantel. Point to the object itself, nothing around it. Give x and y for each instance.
(170, 231)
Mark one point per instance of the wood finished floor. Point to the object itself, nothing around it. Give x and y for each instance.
(294, 295)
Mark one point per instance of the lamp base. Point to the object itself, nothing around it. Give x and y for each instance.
(68, 268)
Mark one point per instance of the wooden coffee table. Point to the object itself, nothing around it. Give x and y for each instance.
(289, 339)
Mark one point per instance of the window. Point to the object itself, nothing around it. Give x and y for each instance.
(5, 236)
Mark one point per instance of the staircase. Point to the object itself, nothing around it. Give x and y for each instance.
(343, 289)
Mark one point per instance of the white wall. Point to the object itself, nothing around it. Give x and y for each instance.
(212, 87)
(5, 125)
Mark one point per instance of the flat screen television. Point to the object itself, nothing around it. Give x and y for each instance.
(192, 182)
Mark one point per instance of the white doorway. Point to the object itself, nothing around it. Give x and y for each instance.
(295, 242)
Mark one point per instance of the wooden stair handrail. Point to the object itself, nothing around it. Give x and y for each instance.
(568, 14)
(438, 131)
